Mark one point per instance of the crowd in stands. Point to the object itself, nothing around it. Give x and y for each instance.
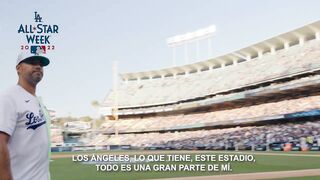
(144, 131)
(221, 97)
(56, 135)
(210, 118)
(298, 132)
(183, 87)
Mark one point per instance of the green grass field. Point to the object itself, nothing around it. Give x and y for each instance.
(66, 169)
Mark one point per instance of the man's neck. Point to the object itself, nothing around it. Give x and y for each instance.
(28, 87)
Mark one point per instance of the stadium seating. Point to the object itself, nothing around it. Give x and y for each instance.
(185, 87)
(229, 112)
(177, 121)
(240, 136)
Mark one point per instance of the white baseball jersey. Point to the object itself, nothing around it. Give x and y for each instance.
(22, 118)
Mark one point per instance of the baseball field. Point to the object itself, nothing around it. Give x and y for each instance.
(267, 165)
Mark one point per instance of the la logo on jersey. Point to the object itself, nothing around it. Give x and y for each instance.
(35, 121)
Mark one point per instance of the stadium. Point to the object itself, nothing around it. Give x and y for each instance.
(262, 99)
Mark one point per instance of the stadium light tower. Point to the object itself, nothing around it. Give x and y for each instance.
(185, 39)
(115, 91)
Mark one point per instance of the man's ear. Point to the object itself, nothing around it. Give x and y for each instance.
(18, 67)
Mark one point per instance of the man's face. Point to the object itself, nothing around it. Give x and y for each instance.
(30, 71)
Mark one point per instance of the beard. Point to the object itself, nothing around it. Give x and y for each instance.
(35, 77)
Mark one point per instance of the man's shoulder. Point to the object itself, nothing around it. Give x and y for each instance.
(10, 92)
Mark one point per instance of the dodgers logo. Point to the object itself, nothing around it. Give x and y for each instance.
(37, 17)
(33, 121)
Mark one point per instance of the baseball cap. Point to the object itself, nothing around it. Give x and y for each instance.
(28, 56)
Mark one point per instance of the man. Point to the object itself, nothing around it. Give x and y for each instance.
(24, 138)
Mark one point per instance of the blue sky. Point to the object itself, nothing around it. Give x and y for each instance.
(93, 34)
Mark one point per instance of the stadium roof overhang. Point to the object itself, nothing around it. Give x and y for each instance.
(297, 36)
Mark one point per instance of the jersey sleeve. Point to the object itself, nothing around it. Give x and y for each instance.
(8, 116)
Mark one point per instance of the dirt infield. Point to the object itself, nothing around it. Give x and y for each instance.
(252, 176)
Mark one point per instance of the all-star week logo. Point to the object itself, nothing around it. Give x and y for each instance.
(38, 35)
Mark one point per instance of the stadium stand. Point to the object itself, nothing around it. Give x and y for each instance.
(240, 137)
(222, 74)
(260, 97)
(56, 136)
(270, 67)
